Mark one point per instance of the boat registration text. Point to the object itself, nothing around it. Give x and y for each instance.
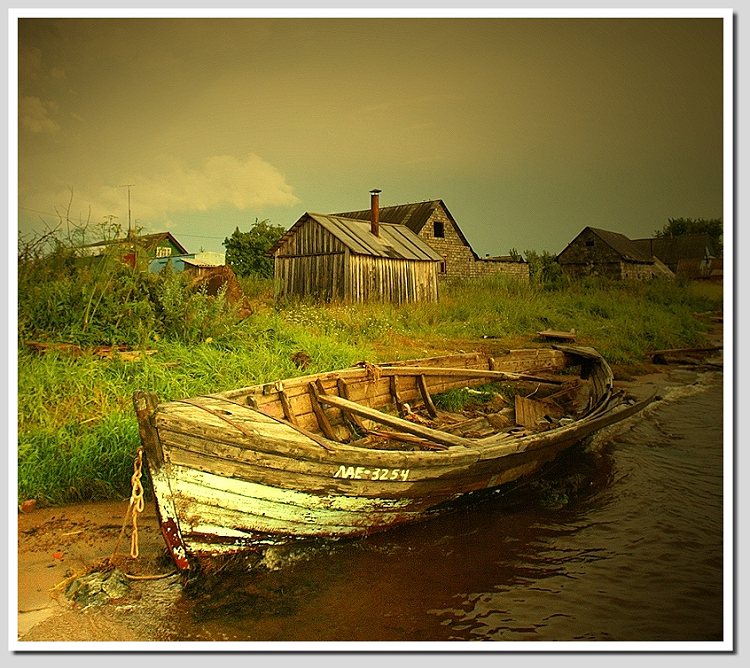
(362, 473)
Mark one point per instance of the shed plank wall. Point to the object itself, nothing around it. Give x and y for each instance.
(310, 263)
(391, 280)
(314, 263)
(320, 276)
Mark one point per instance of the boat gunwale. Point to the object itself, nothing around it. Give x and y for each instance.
(496, 445)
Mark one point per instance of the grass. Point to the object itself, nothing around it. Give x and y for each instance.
(77, 434)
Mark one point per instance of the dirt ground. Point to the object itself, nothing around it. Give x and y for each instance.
(58, 545)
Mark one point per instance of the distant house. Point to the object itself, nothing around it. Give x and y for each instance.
(687, 255)
(126, 249)
(340, 258)
(436, 226)
(597, 252)
(188, 261)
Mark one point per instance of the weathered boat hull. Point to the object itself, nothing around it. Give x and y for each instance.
(240, 471)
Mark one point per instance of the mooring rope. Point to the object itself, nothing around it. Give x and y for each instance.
(136, 501)
(135, 506)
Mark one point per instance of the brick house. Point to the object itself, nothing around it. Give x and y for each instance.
(597, 252)
(435, 225)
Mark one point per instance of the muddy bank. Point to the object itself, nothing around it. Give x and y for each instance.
(56, 546)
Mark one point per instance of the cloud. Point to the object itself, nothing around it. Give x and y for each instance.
(34, 115)
(170, 187)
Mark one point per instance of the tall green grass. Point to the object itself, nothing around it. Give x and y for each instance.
(77, 434)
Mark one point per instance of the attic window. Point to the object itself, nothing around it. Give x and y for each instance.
(163, 251)
(589, 242)
(438, 229)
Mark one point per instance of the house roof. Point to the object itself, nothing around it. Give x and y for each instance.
(673, 249)
(395, 241)
(414, 216)
(619, 243)
(148, 241)
(504, 258)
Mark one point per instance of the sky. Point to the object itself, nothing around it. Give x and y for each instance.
(529, 129)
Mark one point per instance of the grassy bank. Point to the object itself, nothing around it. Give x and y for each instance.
(77, 434)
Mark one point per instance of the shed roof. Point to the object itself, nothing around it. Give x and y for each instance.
(395, 241)
(414, 216)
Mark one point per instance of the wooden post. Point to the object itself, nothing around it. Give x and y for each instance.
(145, 404)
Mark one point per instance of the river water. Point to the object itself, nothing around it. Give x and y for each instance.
(623, 542)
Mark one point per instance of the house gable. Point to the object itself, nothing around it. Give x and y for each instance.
(158, 245)
(600, 252)
(161, 244)
(430, 219)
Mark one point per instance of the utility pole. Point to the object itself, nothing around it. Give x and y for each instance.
(128, 186)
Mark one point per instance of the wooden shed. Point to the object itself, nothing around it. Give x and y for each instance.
(597, 252)
(335, 258)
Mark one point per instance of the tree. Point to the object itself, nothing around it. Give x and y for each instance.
(544, 269)
(246, 251)
(713, 227)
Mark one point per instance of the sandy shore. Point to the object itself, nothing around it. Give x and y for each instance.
(57, 545)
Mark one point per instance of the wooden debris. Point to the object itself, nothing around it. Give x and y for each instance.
(315, 390)
(530, 412)
(107, 352)
(557, 335)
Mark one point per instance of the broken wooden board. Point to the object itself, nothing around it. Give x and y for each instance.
(557, 335)
(530, 412)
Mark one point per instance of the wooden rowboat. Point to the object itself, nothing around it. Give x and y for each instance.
(364, 449)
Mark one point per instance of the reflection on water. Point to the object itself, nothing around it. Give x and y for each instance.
(622, 542)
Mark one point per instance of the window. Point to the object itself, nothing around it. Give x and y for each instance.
(444, 266)
(438, 229)
(163, 251)
(589, 242)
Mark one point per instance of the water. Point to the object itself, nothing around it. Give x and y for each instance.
(624, 542)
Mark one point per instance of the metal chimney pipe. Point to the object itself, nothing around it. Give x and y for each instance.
(375, 212)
